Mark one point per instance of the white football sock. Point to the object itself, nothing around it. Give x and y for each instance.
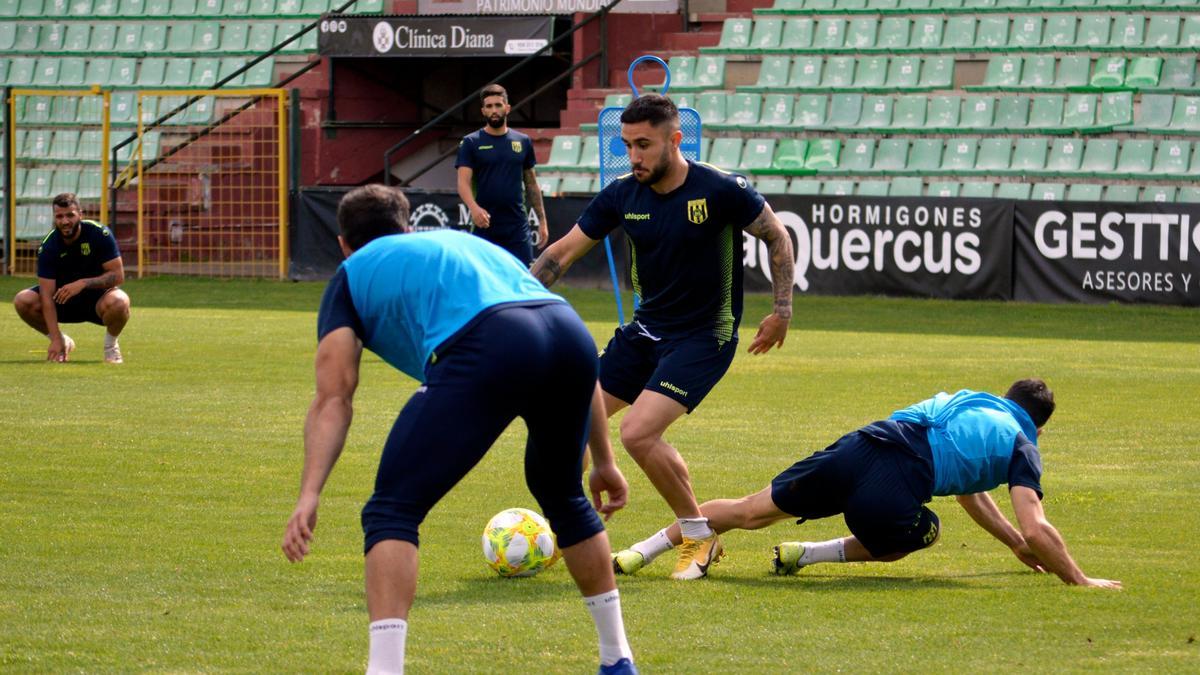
(110, 340)
(833, 550)
(387, 647)
(656, 545)
(695, 528)
(606, 614)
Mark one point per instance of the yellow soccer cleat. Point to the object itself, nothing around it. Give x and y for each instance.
(695, 557)
(787, 558)
(628, 561)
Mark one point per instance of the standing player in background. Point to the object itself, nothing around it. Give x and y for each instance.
(880, 476)
(496, 179)
(480, 334)
(684, 222)
(79, 270)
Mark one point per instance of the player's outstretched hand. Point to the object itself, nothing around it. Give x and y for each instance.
(608, 478)
(1101, 583)
(299, 530)
(57, 351)
(771, 333)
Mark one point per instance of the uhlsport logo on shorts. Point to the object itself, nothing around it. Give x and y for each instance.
(697, 210)
(383, 37)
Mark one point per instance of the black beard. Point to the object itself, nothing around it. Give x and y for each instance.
(496, 123)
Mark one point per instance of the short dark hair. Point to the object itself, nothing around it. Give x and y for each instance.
(370, 212)
(1035, 397)
(65, 200)
(653, 108)
(493, 90)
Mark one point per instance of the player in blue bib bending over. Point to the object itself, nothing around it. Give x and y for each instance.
(880, 476)
(79, 272)
(684, 221)
(496, 179)
(488, 344)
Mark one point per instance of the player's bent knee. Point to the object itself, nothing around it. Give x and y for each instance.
(385, 518)
(27, 302)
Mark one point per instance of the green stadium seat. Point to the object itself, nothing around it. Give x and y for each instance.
(1073, 72)
(183, 8)
(10, 8)
(47, 71)
(711, 107)
(742, 109)
(927, 33)
(78, 37)
(1079, 112)
(132, 8)
(1128, 31)
(870, 72)
(1065, 157)
(725, 153)
(1158, 193)
(1026, 32)
(1162, 31)
(21, 70)
(90, 110)
(822, 154)
(34, 9)
(891, 156)
(797, 34)
(1099, 157)
(959, 34)
(992, 32)
(993, 156)
(838, 72)
(1172, 158)
(27, 38)
(830, 34)
(1178, 73)
(129, 38)
(576, 183)
(903, 73)
(959, 155)
(1029, 156)
(210, 8)
(845, 110)
(837, 188)
(154, 38)
(776, 111)
(150, 73)
(157, 7)
(286, 30)
(943, 113)
(1013, 191)
(1154, 112)
(564, 152)
(178, 73)
(548, 185)
(122, 73)
(64, 110)
(1116, 110)
(53, 36)
(857, 156)
(229, 66)
(36, 111)
(1136, 158)
(907, 186)
(37, 184)
(1093, 30)
(1190, 33)
(925, 156)
(262, 74)
(1121, 193)
(266, 8)
(894, 33)
(767, 33)
(88, 148)
(64, 180)
(809, 110)
(861, 33)
(589, 154)
(37, 144)
(1037, 72)
(806, 73)
(1012, 114)
(150, 109)
(1003, 72)
(943, 189)
(1143, 72)
(909, 113)
(123, 107)
(1059, 31)
(8, 35)
(977, 190)
(1084, 192)
(773, 73)
(104, 38)
(1109, 73)
(735, 34)
(1051, 192)
(173, 106)
(200, 112)
(757, 155)
(207, 36)
(876, 112)
(937, 72)
(915, 5)
(872, 188)
(710, 72)
(978, 112)
(204, 72)
(790, 154)
(1188, 194)
(804, 186)
(771, 185)
(90, 184)
(71, 71)
(262, 38)
(1046, 113)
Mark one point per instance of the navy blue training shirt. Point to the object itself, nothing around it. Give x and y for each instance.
(498, 166)
(686, 247)
(82, 259)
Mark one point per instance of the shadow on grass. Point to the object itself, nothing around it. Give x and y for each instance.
(857, 584)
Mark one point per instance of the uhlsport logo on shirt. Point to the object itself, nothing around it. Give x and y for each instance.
(516, 146)
(697, 210)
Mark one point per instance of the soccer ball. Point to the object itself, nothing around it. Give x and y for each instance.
(519, 543)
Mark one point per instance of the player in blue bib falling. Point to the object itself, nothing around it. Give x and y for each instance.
(488, 343)
(684, 222)
(880, 476)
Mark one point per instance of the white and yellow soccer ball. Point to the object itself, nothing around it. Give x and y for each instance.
(518, 543)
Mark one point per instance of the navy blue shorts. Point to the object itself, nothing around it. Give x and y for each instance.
(81, 308)
(684, 369)
(879, 488)
(536, 362)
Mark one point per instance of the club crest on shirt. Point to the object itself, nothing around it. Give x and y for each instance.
(85, 248)
(516, 146)
(697, 210)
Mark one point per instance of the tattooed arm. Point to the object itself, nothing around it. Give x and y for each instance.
(533, 193)
(113, 275)
(773, 329)
(559, 256)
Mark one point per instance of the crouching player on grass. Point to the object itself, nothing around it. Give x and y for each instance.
(880, 476)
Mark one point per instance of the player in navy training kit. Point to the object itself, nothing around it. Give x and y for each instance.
(880, 476)
(684, 222)
(488, 343)
(79, 270)
(496, 179)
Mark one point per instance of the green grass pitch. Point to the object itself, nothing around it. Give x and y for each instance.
(142, 506)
